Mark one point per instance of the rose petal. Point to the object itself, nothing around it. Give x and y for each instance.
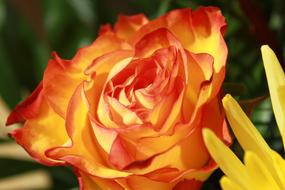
(62, 77)
(105, 136)
(143, 183)
(170, 104)
(88, 182)
(104, 67)
(28, 109)
(59, 84)
(121, 114)
(177, 156)
(83, 152)
(188, 184)
(155, 40)
(79, 130)
(200, 69)
(206, 26)
(120, 155)
(126, 26)
(42, 133)
(105, 28)
(214, 118)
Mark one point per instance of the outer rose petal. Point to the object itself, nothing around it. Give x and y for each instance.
(59, 84)
(127, 26)
(62, 77)
(41, 133)
(188, 184)
(105, 28)
(88, 182)
(143, 183)
(28, 109)
(214, 118)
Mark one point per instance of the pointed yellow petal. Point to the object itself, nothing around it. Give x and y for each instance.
(281, 95)
(228, 184)
(276, 79)
(247, 135)
(260, 177)
(280, 163)
(225, 158)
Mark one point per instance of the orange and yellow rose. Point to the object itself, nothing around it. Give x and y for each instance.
(127, 111)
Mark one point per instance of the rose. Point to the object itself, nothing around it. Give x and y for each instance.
(127, 111)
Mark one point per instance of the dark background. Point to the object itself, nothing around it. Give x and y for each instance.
(31, 29)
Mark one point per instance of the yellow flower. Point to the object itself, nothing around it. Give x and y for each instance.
(263, 168)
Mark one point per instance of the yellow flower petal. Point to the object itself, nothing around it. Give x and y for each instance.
(248, 136)
(280, 164)
(264, 168)
(228, 184)
(260, 177)
(225, 158)
(281, 95)
(276, 82)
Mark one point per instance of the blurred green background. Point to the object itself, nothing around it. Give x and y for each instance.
(31, 29)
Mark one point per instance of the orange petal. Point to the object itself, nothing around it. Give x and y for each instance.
(206, 26)
(143, 183)
(122, 114)
(119, 155)
(154, 40)
(62, 77)
(79, 130)
(89, 182)
(104, 136)
(59, 83)
(104, 29)
(83, 152)
(189, 153)
(173, 174)
(209, 26)
(105, 67)
(214, 118)
(126, 26)
(200, 70)
(188, 184)
(171, 104)
(28, 109)
(42, 133)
